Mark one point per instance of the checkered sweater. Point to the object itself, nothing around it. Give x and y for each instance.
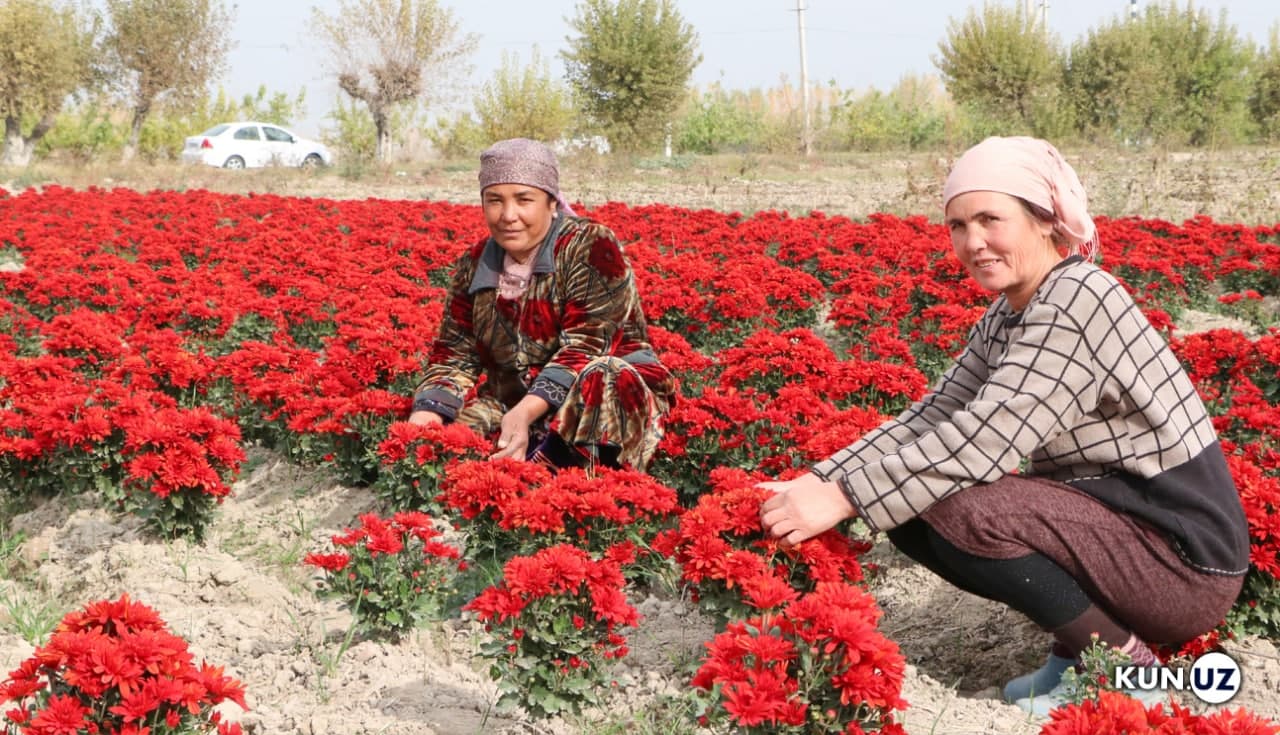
(1081, 385)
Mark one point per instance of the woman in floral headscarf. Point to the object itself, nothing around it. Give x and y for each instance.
(1126, 522)
(546, 309)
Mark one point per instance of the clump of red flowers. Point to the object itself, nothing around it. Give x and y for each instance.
(734, 569)
(391, 573)
(1113, 712)
(114, 668)
(414, 460)
(818, 666)
(555, 621)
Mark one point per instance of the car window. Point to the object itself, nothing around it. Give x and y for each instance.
(216, 130)
(249, 133)
(276, 134)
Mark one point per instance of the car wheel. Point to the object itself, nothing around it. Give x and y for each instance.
(234, 162)
(312, 161)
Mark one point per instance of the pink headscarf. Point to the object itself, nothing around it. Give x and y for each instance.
(1030, 169)
(522, 161)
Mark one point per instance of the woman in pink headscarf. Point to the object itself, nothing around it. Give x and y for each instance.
(546, 310)
(1125, 522)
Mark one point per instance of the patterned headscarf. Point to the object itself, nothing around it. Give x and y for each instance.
(1033, 170)
(522, 161)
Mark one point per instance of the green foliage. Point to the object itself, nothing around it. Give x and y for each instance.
(1264, 102)
(719, 120)
(913, 115)
(1171, 75)
(457, 137)
(1098, 663)
(83, 132)
(32, 616)
(1257, 612)
(388, 54)
(353, 132)
(355, 135)
(1003, 63)
(716, 121)
(629, 66)
(523, 100)
(45, 48)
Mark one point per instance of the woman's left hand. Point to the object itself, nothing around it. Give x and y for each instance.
(803, 508)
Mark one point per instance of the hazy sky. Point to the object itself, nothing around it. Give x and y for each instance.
(744, 43)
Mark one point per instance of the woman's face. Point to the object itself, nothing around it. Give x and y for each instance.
(1001, 244)
(518, 216)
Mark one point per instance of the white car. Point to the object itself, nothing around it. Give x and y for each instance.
(251, 145)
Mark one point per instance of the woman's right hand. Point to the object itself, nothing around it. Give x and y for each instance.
(802, 508)
(426, 418)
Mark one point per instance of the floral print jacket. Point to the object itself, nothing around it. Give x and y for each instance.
(581, 304)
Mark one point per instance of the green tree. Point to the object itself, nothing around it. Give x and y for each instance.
(913, 115)
(629, 67)
(524, 101)
(389, 54)
(45, 50)
(716, 120)
(164, 50)
(1172, 75)
(1264, 101)
(1001, 62)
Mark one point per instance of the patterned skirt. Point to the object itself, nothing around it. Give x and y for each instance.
(609, 417)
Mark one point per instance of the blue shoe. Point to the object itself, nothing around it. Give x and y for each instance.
(1039, 681)
(1042, 704)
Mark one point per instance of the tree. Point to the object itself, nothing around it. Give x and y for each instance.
(1264, 101)
(390, 53)
(524, 101)
(630, 66)
(1171, 74)
(164, 50)
(1001, 62)
(44, 58)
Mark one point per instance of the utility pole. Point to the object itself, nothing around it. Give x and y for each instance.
(807, 142)
(1044, 16)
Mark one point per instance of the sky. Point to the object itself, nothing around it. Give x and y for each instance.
(858, 44)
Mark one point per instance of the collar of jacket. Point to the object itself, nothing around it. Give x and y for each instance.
(490, 265)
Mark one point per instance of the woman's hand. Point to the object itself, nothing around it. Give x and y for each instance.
(803, 508)
(513, 438)
(426, 418)
(513, 435)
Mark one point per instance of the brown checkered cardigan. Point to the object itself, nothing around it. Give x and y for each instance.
(1080, 383)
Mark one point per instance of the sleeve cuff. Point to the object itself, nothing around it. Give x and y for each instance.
(824, 469)
(852, 497)
(553, 393)
(438, 401)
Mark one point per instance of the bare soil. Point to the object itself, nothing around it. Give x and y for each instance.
(242, 600)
